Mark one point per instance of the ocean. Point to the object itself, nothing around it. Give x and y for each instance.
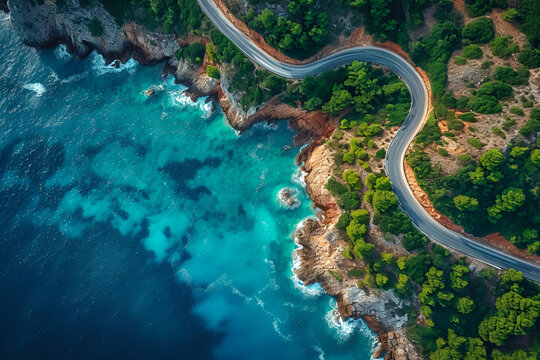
(136, 227)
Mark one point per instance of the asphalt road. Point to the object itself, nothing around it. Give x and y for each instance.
(396, 152)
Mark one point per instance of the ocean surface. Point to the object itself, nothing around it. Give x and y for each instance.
(146, 228)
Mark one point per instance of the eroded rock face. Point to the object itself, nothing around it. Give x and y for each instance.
(385, 306)
(46, 24)
(319, 168)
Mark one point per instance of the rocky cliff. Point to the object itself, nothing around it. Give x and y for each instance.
(321, 258)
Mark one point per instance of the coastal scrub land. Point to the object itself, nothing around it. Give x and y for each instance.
(474, 166)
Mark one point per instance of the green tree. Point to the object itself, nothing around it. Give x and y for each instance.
(341, 98)
(361, 216)
(383, 200)
(212, 71)
(479, 31)
(465, 305)
(491, 159)
(267, 18)
(352, 179)
(519, 152)
(465, 203)
(510, 15)
(535, 157)
(365, 86)
(472, 51)
(515, 316)
(503, 47)
(350, 200)
(456, 276)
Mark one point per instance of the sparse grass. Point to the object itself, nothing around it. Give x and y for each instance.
(335, 275)
(497, 131)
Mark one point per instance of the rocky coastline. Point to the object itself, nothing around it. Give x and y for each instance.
(45, 25)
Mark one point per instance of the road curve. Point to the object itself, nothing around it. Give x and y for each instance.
(396, 152)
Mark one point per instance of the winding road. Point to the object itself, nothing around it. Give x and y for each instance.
(396, 152)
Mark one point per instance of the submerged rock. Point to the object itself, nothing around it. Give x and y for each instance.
(289, 198)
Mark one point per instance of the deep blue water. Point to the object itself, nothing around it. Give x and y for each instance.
(134, 227)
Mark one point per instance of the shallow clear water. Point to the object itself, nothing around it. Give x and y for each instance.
(134, 227)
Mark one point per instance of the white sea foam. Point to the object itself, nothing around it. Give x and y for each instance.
(299, 177)
(75, 77)
(99, 67)
(62, 54)
(320, 351)
(274, 126)
(289, 201)
(38, 88)
(342, 330)
(310, 291)
(275, 324)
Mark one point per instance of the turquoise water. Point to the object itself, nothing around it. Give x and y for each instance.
(135, 227)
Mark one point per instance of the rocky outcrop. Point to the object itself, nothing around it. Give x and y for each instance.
(321, 259)
(384, 306)
(45, 24)
(319, 169)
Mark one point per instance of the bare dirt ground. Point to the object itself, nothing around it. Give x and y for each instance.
(458, 78)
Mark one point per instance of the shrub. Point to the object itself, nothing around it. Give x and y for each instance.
(356, 272)
(465, 159)
(211, 52)
(510, 76)
(472, 51)
(95, 27)
(480, 7)
(517, 111)
(530, 57)
(381, 153)
(503, 46)
(510, 15)
(462, 104)
(508, 124)
(497, 131)
(474, 142)
(194, 52)
(479, 31)
(350, 200)
(460, 60)
(486, 64)
(212, 71)
(468, 117)
(443, 152)
(335, 187)
(497, 89)
(449, 134)
(485, 104)
(533, 124)
(335, 275)
(526, 102)
(454, 124)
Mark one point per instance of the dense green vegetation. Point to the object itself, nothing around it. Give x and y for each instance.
(360, 90)
(463, 315)
(503, 46)
(479, 31)
(433, 52)
(305, 27)
(480, 7)
(504, 188)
